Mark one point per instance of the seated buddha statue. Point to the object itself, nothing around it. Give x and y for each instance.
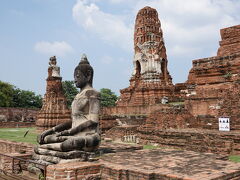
(82, 132)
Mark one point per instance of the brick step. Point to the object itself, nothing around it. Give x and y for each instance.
(10, 177)
(24, 176)
(29, 176)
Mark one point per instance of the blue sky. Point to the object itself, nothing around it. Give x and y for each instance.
(33, 30)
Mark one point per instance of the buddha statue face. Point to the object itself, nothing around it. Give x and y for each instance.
(80, 79)
(83, 74)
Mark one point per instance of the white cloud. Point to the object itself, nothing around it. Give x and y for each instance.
(185, 23)
(106, 59)
(116, 1)
(191, 26)
(110, 28)
(59, 48)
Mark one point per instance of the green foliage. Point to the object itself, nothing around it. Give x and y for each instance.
(228, 75)
(70, 91)
(108, 98)
(10, 96)
(17, 134)
(234, 158)
(6, 94)
(26, 99)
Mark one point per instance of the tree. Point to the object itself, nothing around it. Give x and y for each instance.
(70, 91)
(26, 99)
(108, 98)
(10, 96)
(6, 94)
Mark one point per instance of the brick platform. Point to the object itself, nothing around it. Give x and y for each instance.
(158, 164)
(74, 171)
(167, 164)
(194, 139)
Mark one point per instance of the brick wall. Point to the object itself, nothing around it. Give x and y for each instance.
(230, 43)
(171, 117)
(74, 171)
(109, 121)
(132, 115)
(194, 140)
(16, 124)
(214, 70)
(6, 163)
(130, 110)
(15, 147)
(118, 132)
(18, 114)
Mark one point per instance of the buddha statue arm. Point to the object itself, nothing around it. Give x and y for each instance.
(90, 124)
(58, 128)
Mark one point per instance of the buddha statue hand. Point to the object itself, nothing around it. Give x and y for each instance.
(63, 133)
(40, 138)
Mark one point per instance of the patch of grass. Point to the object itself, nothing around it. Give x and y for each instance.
(150, 147)
(234, 158)
(17, 134)
(176, 103)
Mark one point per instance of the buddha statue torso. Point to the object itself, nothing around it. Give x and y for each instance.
(85, 106)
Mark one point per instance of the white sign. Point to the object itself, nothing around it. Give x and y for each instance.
(224, 124)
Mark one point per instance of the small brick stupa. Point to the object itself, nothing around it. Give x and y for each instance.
(54, 110)
(150, 80)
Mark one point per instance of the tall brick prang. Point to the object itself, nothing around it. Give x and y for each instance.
(54, 110)
(150, 80)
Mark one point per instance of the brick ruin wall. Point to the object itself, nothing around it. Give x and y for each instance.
(76, 170)
(194, 140)
(215, 70)
(18, 114)
(17, 117)
(176, 117)
(15, 149)
(213, 79)
(131, 115)
(230, 43)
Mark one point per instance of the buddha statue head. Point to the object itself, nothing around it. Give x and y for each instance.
(83, 74)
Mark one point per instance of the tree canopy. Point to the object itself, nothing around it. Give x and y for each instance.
(70, 91)
(108, 98)
(6, 94)
(10, 96)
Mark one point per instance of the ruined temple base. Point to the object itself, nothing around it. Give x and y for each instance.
(53, 157)
(199, 140)
(158, 164)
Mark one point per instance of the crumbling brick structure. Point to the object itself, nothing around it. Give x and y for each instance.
(54, 110)
(212, 79)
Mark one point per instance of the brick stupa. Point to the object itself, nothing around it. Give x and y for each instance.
(150, 80)
(54, 110)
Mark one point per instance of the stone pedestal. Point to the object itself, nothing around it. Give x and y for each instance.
(54, 110)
